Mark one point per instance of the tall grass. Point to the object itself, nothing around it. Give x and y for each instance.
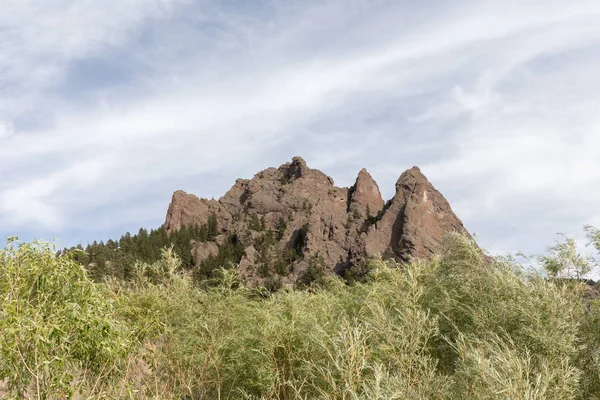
(460, 326)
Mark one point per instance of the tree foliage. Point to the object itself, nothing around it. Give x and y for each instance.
(564, 260)
(593, 236)
(117, 257)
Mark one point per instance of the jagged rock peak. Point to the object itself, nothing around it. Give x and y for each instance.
(410, 177)
(299, 161)
(179, 202)
(427, 215)
(366, 194)
(188, 209)
(297, 169)
(310, 217)
(294, 170)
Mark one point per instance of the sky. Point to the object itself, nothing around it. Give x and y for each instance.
(107, 107)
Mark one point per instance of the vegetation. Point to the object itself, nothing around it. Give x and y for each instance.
(460, 326)
(117, 257)
(58, 329)
(230, 253)
(563, 260)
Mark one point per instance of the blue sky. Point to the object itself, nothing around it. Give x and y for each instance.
(107, 107)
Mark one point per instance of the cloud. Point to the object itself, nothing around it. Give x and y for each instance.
(32, 201)
(6, 129)
(113, 105)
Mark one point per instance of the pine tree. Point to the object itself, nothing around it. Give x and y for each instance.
(255, 223)
(263, 223)
(116, 258)
(280, 266)
(281, 227)
(213, 230)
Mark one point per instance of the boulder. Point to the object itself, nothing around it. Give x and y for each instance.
(203, 250)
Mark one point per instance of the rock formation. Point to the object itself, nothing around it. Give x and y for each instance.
(308, 215)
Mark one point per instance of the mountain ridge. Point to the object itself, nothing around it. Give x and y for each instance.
(298, 211)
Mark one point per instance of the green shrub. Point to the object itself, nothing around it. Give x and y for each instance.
(459, 326)
(496, 321)
(334, 342)
(56, 326)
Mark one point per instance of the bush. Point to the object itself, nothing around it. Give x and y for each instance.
(57, 329)
(502, 330)
(460, 326)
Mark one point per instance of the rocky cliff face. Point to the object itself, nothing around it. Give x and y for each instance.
(303, 212)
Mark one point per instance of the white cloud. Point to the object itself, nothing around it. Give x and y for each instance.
(220, 91)
(6, 129)
(32, 201)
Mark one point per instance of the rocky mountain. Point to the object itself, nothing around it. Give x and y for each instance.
(292, 216)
